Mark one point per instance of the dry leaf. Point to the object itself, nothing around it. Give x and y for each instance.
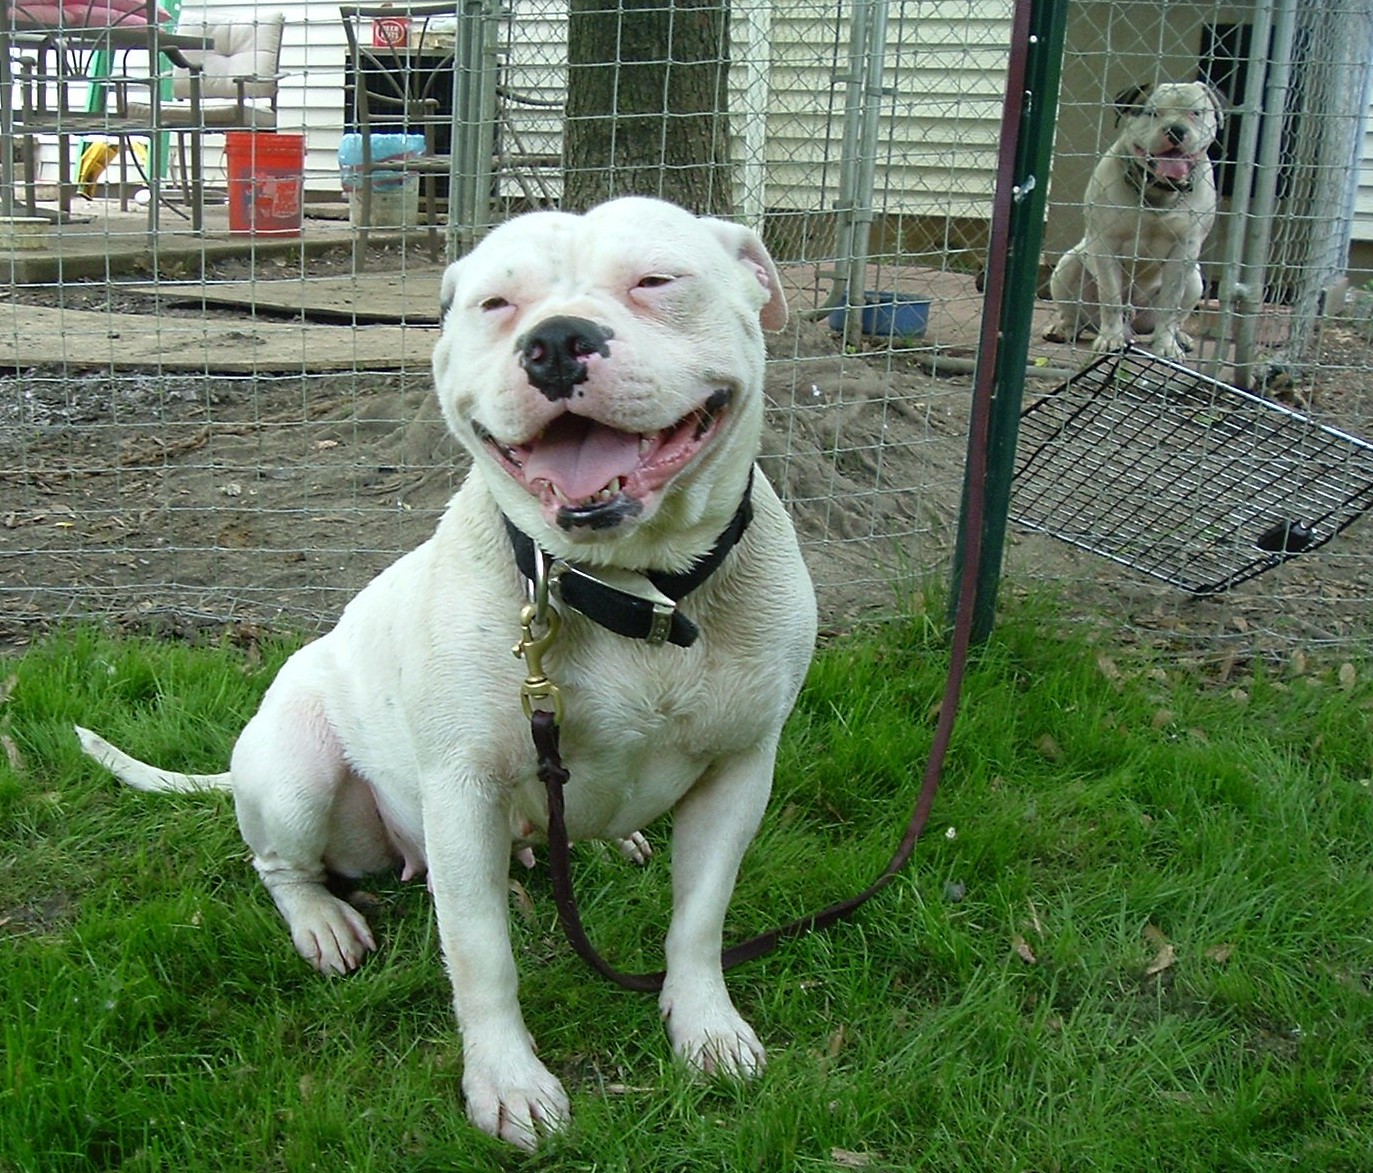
(1166, 955)
(1227, 665)
(836, 1043)
(1163, 718)
(1023, 950)
(1049, 748)
(12, 754)
(846, 1159)
(7, 688)
(1220, 954)
(1163, 960)
(1108, 668)
(1348, 676)
(524, 904)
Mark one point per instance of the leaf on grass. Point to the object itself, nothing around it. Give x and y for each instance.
(1163, 718)
(847, 1159)
(524, 903)
(836, 1043)
(1108, 668)
(12, 754)
(1023, 950)
(1165, 956)
(7, 687)
(1049, 748)
(1348, 676)
(1220, 954)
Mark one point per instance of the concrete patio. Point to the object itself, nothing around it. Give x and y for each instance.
(104, 239)
(299, 304)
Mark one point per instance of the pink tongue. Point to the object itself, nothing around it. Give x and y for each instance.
(581, 457)
(1171, 166)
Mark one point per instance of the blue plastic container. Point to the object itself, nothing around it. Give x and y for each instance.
(888, 315)
(384, 146)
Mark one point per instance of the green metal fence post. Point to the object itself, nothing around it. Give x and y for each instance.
(1034, 143)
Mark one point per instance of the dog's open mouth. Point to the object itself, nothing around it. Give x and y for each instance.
(1174, 164)
(588, 474)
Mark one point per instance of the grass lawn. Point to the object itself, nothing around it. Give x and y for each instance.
(1135, 937)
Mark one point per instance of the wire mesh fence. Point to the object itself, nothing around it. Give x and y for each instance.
(236, 424)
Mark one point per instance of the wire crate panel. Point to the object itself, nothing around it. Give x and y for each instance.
(1183, 477)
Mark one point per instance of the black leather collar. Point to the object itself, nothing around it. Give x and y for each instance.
(623, 612)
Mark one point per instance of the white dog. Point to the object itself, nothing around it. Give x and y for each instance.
(606, 373)
(1150, 205)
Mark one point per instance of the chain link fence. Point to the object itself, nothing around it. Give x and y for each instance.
(232, 427)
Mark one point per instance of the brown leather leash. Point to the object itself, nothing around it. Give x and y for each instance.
(538, 690)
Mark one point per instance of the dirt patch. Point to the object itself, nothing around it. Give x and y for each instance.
(199, 500)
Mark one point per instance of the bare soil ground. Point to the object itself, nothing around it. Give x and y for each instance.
(194, 501)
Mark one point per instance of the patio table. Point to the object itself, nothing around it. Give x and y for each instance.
(58, 58)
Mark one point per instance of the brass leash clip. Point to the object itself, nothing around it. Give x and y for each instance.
(537, 688)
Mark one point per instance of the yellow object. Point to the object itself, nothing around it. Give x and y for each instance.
(98, 156)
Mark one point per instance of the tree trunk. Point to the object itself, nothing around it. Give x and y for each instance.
(647, 103)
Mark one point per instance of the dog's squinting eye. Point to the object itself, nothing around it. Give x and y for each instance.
(654, 281)
(494, 303)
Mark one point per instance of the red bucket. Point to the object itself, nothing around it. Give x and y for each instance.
(266, 182)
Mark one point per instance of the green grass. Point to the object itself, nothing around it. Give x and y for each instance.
(1135, 937)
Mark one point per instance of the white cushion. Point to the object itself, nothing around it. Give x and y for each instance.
(177, 116)
(249, 49)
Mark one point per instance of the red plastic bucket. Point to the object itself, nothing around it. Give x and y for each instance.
(266, 182)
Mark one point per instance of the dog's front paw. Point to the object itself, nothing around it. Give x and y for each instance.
(713, 1038)
(1108, 341)
(1172, 344)
(517, 1101)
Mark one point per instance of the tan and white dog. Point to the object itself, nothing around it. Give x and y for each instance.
(1150, 204)
(605, 372)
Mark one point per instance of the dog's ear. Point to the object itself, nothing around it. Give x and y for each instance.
(448, 289)
(748, 247)
(1131, 101)
(1218, 100)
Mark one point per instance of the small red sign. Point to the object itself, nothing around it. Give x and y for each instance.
(391, 32)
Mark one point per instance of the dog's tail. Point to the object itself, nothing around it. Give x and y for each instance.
(142, 776)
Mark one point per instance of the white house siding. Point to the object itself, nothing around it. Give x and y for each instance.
(1363, 197)
(943, 81)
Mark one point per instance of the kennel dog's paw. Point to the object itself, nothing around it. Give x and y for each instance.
(1172, 345)
(1166, 347)
(635, 848)
(1108, 341)
(332, 935)
(517, 1102)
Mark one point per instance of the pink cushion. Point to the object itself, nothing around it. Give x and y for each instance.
(49, 14)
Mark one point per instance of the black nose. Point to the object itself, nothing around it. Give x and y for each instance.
(554, 353)
(1177, 135)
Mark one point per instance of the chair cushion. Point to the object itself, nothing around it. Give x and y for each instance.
(249, 49)
(213, 115)
(82, 13)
